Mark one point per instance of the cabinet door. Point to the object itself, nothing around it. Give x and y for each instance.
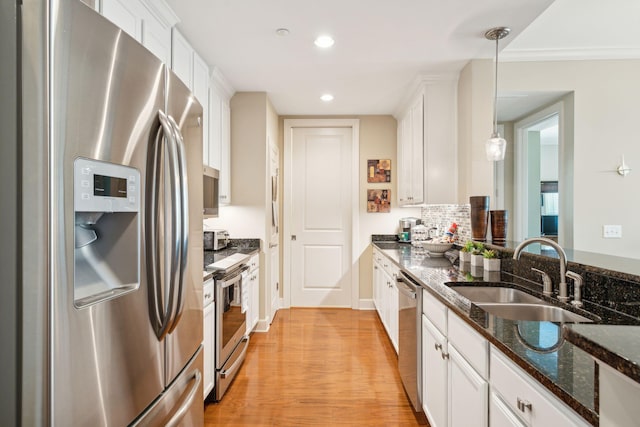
(156, 37)
(126, 14)
(255, 296)
(468, 393)
(500, 415)
(404, 160)
(434, 375)
(208, 344)
(376, 284)
(248, 285)
(225, 155)
(182, 58)
(201, 92)
(393, 312)
(417, 151)
(215, 129)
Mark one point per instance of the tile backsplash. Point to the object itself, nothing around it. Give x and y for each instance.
(441, 217)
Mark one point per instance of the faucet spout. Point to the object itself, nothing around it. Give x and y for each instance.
(562, 287)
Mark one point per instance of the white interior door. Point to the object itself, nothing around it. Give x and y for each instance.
(321, 213)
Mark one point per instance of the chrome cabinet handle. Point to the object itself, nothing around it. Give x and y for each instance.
(444, 355)
(524, 405)
(438, 347)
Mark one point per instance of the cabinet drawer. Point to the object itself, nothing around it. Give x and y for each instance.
(435, 311)
(526, 397)
(207, 292)
(469, 343)
(254, 262)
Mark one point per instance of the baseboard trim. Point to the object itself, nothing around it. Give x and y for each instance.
(366, 304)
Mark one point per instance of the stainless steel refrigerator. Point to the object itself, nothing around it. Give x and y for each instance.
(112, 288)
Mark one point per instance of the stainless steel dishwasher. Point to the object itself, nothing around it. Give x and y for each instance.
(410, 339)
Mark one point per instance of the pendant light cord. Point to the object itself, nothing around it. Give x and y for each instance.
(495, 95)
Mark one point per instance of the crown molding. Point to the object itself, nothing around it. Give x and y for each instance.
(560, 54)
(162, 11)
(418, 84)
(221, 84)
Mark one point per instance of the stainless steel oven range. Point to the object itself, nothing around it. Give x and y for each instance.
(231, 341)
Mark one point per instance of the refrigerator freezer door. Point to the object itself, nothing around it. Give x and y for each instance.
(181, 404)
(107, 364)
(186, 335)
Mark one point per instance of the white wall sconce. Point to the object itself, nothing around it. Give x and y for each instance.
(624, 169)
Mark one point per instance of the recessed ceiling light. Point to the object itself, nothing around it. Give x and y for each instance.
(327, 97)
(282, 32)
(324, 41)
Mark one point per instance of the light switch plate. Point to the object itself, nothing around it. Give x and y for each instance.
(612, 231)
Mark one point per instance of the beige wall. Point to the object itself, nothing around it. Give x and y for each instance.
(606, 111)
(378, 136)
(475, 118)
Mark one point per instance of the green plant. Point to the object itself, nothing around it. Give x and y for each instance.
(478, 248)
(490, 254)
(468, 246)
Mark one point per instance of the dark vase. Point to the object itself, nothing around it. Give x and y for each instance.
(499, 221)
(479, 217)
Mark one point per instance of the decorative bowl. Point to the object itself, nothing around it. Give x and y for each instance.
(436, 249)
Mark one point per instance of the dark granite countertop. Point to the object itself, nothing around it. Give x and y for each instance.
(615, 345)
(242, 246)
(563, 368)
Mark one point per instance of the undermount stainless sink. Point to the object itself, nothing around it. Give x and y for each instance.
(496, 294)
(514, 304)
(536, 312)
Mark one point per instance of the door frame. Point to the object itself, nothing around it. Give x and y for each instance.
(565, 172)
(289, 125)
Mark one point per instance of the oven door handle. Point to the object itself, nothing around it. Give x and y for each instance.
(225, 283)
(230, 372)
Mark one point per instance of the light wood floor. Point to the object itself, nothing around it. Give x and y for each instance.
(317, 367)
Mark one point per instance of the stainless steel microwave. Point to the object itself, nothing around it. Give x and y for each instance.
(211, 179)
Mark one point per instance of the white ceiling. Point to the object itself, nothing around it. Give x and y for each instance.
(383, 46)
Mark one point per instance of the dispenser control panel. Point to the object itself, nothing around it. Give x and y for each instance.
(105, 187)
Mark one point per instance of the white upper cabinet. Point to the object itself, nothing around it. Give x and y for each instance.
(182, 58)
(427, 139)
(148, 22)
(156, 36)
(126, 14)
(219, 155)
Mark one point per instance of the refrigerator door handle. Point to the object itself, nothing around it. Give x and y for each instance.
(184, 407)
(163, 302)
(183, 228)
(159, 314)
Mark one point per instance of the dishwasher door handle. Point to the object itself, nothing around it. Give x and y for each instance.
(404, 288)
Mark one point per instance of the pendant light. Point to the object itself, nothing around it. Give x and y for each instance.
(496, 145)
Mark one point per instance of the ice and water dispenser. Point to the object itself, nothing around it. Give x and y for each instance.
(107, 231)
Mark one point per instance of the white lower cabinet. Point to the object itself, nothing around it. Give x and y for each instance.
(533, 404)
(500, 415)
(455, 390)
(619, 398)
(385, 294)
(253, 286)
(434, 374)
(208, 341)
(469, 393)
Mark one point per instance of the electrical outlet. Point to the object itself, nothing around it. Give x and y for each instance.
(612, 231)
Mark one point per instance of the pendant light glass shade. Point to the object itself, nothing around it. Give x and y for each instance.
(496, 146)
